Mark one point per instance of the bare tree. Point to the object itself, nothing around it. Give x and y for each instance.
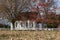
(10, 8)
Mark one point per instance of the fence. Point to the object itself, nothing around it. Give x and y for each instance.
(27, 25)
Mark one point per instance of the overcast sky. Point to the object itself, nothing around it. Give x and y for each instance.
(57, 3)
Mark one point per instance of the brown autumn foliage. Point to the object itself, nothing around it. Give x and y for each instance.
(15, 14)
(51, 17)
(26, 16)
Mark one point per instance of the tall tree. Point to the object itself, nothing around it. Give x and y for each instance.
(12, 7)
(44, 7)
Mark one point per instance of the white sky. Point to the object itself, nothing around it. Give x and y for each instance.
(57, 3)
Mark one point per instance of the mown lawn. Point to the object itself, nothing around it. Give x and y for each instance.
(29, 35)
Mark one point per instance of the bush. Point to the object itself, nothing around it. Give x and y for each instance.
(52, 25)
(4, 26)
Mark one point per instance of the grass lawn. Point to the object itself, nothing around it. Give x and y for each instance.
(29, 35)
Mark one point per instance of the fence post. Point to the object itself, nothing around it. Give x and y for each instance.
(40, 26)
(34, 25)
(28, 23)
(11, 26)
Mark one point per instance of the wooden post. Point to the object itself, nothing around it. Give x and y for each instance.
(28, 23)
(11, 26)
(40, 26)
(34, 25)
